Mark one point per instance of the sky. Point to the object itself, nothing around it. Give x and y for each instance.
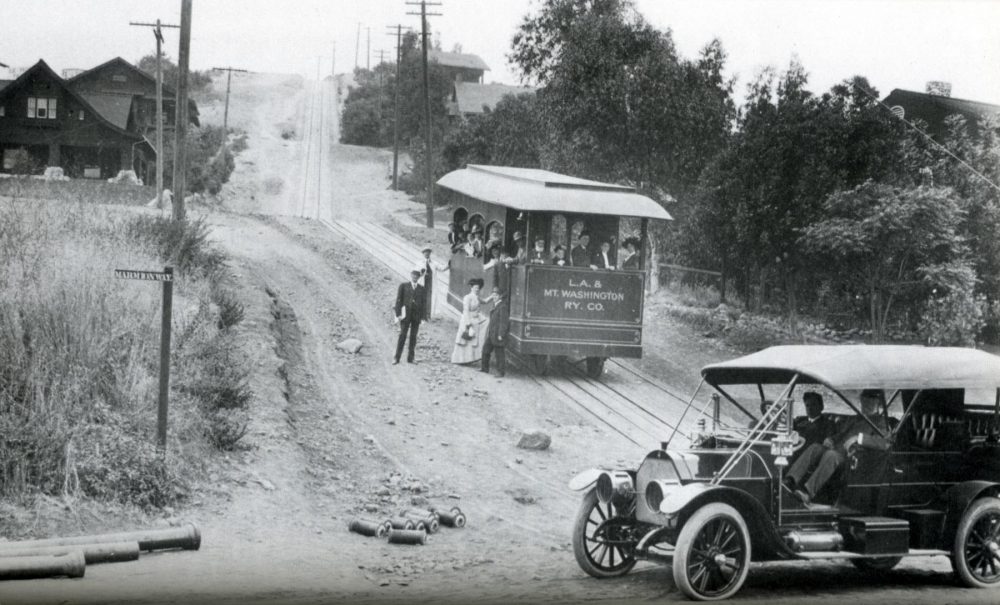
(894, 43)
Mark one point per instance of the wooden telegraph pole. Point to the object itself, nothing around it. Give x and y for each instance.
(158, 34)
(395, 120)
(427, 104)
(180, 129)
(357, 46)
(381, 59)
(229, 80)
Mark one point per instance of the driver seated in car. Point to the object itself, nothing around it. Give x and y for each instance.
(815, 426)
(829, 456)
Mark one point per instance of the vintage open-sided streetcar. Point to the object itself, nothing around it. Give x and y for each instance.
(573, 308)
(926, 481)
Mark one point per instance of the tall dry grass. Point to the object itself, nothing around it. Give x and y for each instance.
(79, 352)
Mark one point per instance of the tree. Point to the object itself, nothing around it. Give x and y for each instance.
(512, 134)
(198, 81)
(891, 247)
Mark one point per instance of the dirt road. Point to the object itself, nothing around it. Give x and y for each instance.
(336, 435)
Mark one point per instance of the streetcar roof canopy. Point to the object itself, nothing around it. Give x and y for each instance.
(854, 367)
(534, 190)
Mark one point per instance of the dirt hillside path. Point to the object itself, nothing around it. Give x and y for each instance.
(336, 436)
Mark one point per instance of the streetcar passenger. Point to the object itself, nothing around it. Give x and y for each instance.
(632, 247)
(495, 256)
(537, 256)
(559, 256)
(474, 247)
(452, 235)
(579, 256)
(519, 255)
(602, 260)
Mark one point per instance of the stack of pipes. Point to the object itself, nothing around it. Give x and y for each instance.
(68, 557)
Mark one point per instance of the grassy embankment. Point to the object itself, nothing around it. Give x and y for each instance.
(79, 353)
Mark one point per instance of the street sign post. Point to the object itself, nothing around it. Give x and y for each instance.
(167, 277)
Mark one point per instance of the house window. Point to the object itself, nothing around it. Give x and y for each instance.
(118, 78)
(3, 111)
(81, 115)
(42, 108)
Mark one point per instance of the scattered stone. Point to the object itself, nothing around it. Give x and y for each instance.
(523, 496)
(383, 491)
(418, 501)
(265, 484)
(534, 440)
(351, 345)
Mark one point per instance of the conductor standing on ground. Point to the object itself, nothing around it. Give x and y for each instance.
(409, 310)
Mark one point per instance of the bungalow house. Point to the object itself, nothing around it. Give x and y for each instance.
(92, 125)
(469, 98)
(933, 106)
(460, 67)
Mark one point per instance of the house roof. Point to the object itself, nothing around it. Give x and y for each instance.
(168, 93)
(854, 367)
(933, 109)
(471, 97)
(462, 60)
(534, 190)
(43, 67)
(113, 108)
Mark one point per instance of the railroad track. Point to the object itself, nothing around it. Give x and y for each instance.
(627, 401)
(314, 162)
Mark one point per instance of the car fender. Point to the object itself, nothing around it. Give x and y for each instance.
(767, 543)
(585, 479)
(957, 500)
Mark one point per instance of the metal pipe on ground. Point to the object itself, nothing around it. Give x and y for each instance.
(112, 552)
(372, 529)
(401, 523)
(430, 522)
(186, 537)
(407, 536)
(70, 565)
(452, 518)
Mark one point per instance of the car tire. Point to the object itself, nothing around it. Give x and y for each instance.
(597, 560)
(876, 564)
(708, 535)
(975, 556)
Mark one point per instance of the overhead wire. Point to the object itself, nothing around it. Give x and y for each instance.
(914, 127)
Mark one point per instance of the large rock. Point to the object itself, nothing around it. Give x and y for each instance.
(534, 440)
(351, 345)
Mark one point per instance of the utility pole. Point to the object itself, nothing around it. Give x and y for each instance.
(333, 60)
(381, 59)
(357, 46)
(229, 80)
(180, 129)
(158, 34)
(395, 120)
(368, 49)
(428, 160)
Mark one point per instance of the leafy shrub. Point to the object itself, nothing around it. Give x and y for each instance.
(183, 243)
(231, 310)
(707, 297)
(227, 427)
(24, 162)
(954, 319)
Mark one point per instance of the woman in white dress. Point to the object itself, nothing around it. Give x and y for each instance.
(472, 326)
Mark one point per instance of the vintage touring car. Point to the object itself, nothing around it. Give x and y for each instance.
(920, 478)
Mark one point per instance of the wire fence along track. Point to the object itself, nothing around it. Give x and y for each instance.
(613, 405)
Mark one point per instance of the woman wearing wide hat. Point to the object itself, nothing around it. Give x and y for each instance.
(472, 326)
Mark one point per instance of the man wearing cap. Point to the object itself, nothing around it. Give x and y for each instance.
(579, 256)
(428, 267)
(830, 455)
(409, 310)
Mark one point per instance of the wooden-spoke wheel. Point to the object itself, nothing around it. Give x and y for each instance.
(602, 541)
(595, 367)
(876, 563)
(712, 557)
(976, 553)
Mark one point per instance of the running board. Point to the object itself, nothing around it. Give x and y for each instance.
(843, 554)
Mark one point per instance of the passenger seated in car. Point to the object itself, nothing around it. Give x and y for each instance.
(829, 456)
(764, 406)
(815, 426)
(537, 256)
(559, 256)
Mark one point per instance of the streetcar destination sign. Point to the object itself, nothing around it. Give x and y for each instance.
(143, 275)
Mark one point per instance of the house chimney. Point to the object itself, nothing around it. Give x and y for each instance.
(939, 88)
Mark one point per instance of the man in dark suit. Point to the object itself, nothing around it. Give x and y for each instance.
(496, 334)
(829, 456)
(815, 426)
(409, 310)
(579, 256)
(604, 258)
